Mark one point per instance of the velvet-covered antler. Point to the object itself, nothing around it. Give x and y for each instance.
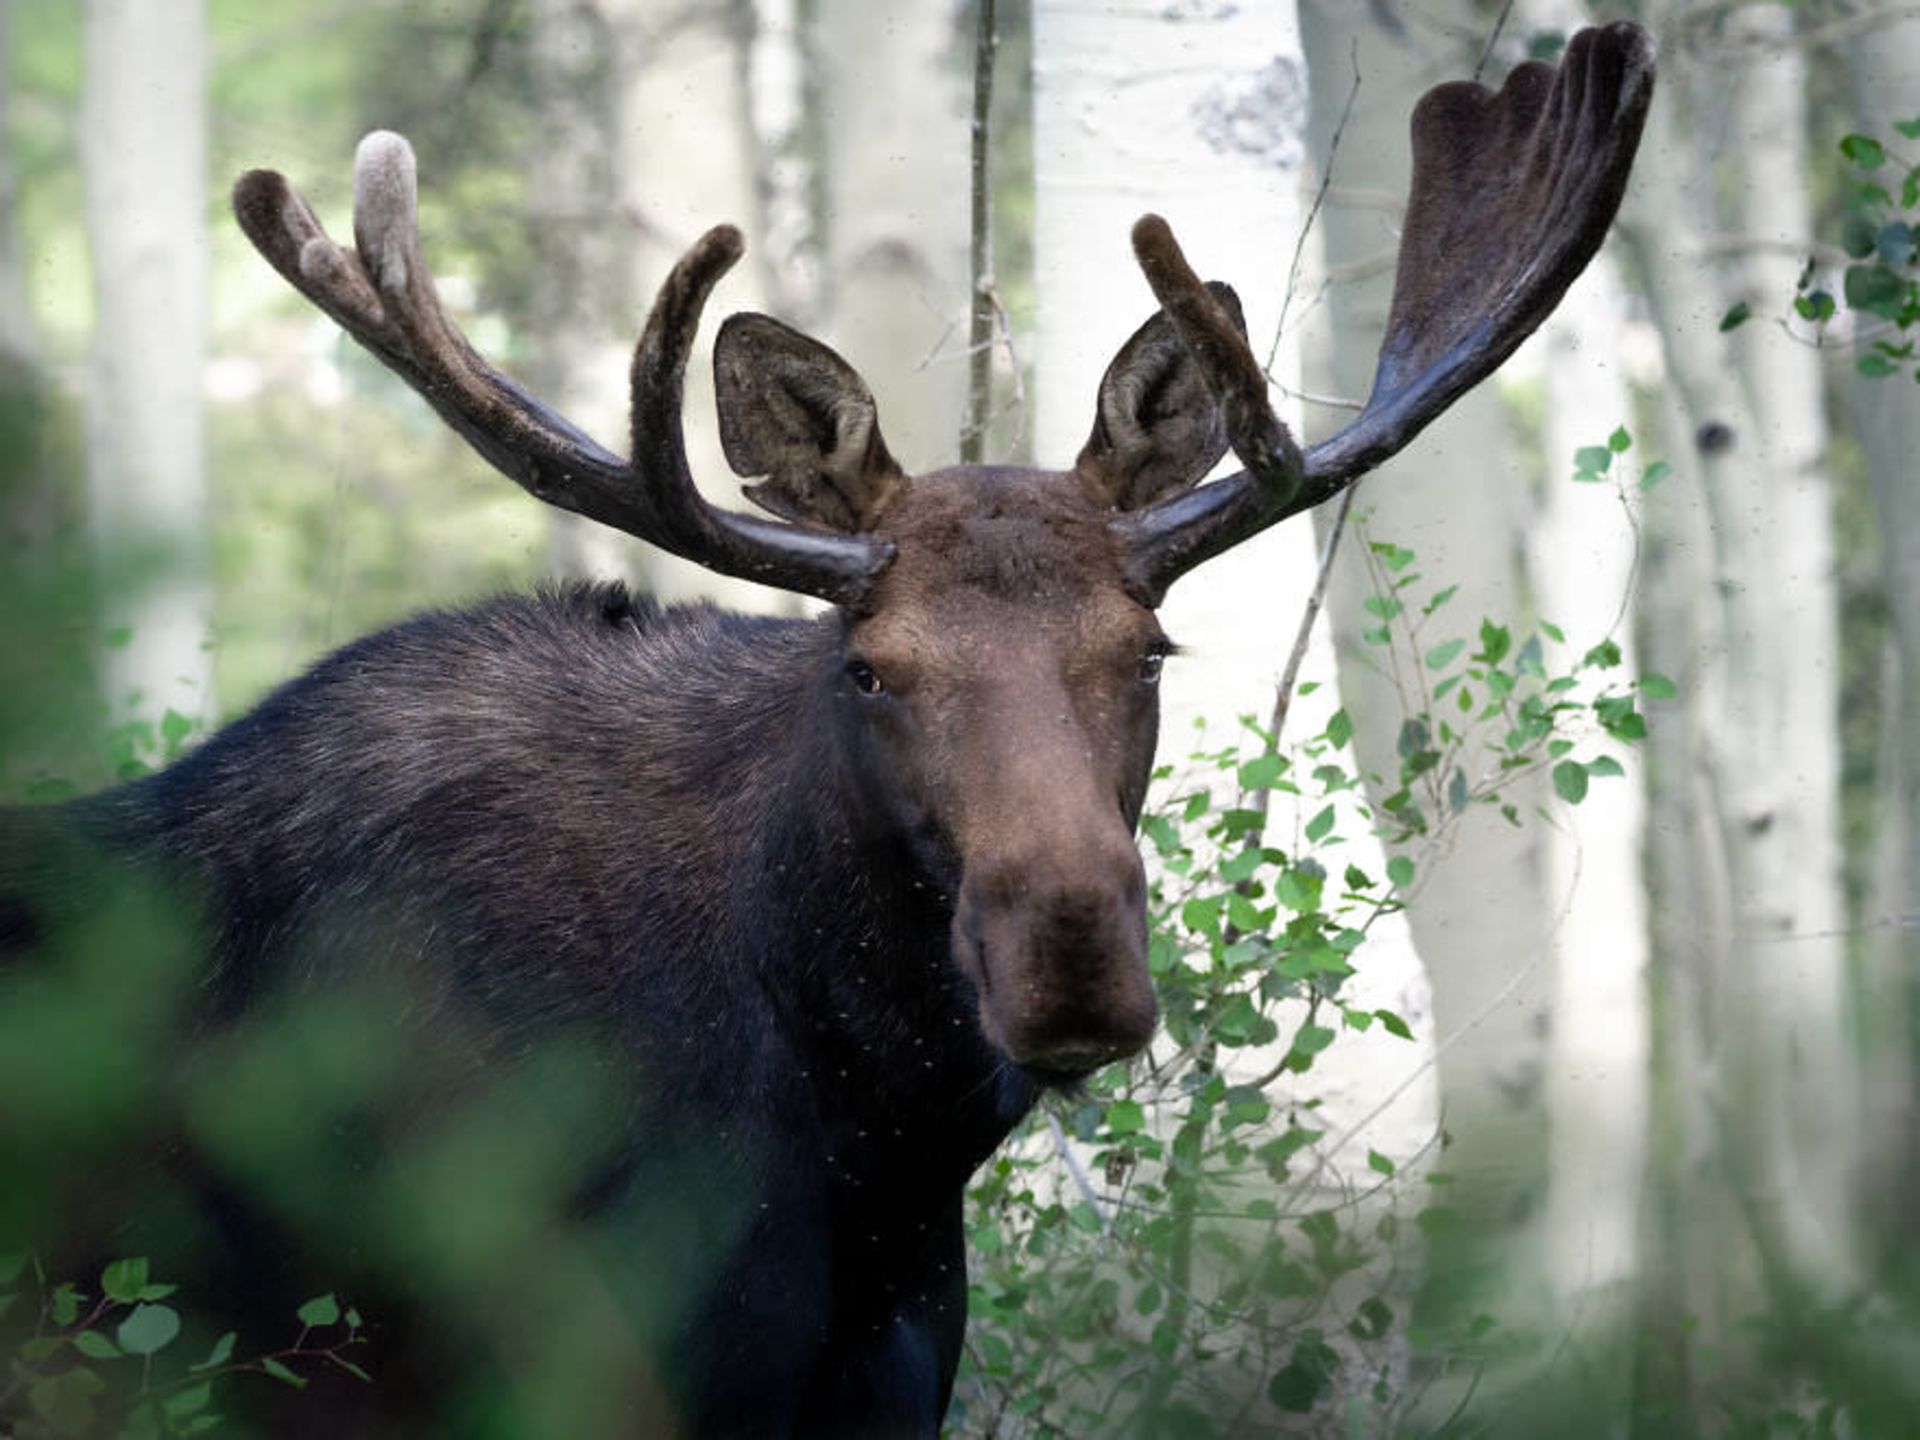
(381, 294)
(1512, 194)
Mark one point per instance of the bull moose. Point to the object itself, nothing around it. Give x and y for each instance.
(835, 899)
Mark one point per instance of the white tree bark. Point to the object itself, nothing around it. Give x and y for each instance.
(1886, 421)
(895, 112)
(1582, 546)
(684, 161)
(1782, 780)
(1480, 914)
(143, 143)
(582, 298)
(1754, 1170)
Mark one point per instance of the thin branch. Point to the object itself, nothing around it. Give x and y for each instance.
(1081, 1180)
(1493, 38)
(980, 261)
(1313, 210)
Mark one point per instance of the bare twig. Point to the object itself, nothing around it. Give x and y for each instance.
(1493, 38)
(1081, 1181)
(1313, 210)
(1289, 677)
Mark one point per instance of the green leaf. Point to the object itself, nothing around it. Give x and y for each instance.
(1570, 781)
(64, 1308)
(1373, 1320)
(174, 730)
(1379, 1162)
(1400, 871)
(1319, 826)
(1126, 1117)
(1592, 459)
(351, 1368)
(1857, 234)
(1339, 730)
(1262, 772)
(1312, 1039)
(221, 1353)
(280, 1372)
(1603, 656)
(1654, 474)
(1736, 317)
(1656, 686)
(1895, 243)
(1307, 1376)
(1444, 654)
(1875, 288)
(1393, 1024)
(1817, 307)
(148, 1329)
(1875, 367)
(1618, 717)
(1201, 914)
(321, 1310)
(1620, 441)
(124, 1279)
(1495, 642)
(1606, 765)
(11, 1264)
(1908, 128)
(95, 1346)
(187, 1402)
(1864, 151)
(1381, 607)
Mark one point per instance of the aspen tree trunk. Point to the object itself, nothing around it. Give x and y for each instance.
(1582, 545)
(1783, 652)
(143, 143)
(1480, 914)
(582, 288)
(1885, 419)
(684, 161)
(894, 99)
(782, 104)
(1752, 1170)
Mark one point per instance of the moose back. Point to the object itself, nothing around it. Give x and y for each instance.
(812, 911)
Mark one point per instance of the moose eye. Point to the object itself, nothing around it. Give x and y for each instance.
(1151, 663)
(865, 679)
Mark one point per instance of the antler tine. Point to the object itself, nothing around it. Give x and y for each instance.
(1260, 442)
(1512, 194)
(382, 294)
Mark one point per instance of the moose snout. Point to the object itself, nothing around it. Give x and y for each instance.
(1057, 947)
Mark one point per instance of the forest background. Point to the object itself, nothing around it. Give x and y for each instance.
(1610, 1121)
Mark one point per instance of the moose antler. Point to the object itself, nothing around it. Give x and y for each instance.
(1512, 194)
(381, 293)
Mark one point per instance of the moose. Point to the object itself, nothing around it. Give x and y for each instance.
(836, 898)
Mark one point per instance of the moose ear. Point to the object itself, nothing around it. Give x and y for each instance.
(798, 415)
(1159, 429)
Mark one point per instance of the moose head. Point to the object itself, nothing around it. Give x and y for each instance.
(993, 685)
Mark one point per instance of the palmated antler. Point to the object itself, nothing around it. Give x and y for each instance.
(381, 294)
(1512, 194)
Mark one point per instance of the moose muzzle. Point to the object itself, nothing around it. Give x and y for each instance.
(1056, 945)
